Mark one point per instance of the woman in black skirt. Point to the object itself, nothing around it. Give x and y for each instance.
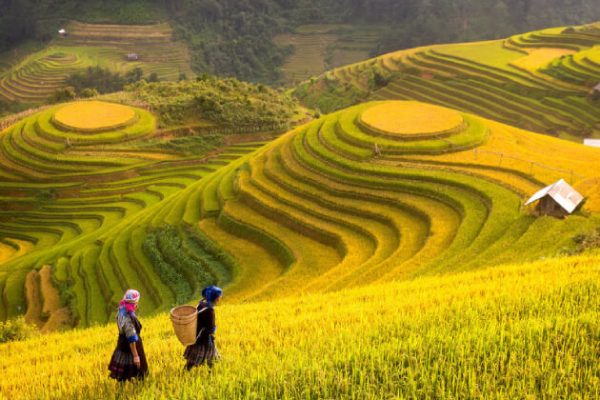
(204, 350)
(128, 360)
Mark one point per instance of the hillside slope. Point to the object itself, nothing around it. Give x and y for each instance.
(70, 174)
(525, 330)
(36, 77)
(539, 81)
(235, 38)
(315, 210)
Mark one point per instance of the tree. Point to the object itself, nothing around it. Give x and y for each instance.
(153, 77)
(62, 95)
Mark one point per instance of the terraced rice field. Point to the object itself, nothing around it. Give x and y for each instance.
(66, 184)
(539, 81)
(538, 58)
(380, 191)
(334, 211)
(321, 47)
(391, 216)
(37, 76)
(580, 65)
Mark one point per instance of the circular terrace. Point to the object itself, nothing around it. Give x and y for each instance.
(94, 116)
(411, 119)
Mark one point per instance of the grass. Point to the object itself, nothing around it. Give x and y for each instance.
(513, 331)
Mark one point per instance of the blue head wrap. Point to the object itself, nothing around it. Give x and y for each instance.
(211, 293)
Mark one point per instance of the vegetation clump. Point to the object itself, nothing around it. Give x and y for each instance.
(186, 260)
(224, 101)
(16, 329)
(585, 242)
(103, 80)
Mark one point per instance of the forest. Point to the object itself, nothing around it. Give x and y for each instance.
(234, 38)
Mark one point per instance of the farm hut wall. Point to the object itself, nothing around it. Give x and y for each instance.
(548, 206)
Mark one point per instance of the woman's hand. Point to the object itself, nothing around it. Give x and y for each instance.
(136, 356)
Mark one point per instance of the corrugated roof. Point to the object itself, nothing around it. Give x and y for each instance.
(563, 193)
(591, 142)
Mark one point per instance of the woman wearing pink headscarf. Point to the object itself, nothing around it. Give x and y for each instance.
(128, 360)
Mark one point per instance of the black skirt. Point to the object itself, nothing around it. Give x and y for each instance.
(203, 351)
(122, 367)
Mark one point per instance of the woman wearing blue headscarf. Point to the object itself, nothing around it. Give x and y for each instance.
(204, 350)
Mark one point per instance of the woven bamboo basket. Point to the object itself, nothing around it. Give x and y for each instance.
(185, 322)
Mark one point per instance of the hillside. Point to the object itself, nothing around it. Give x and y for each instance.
(236, 38)
(34, 78)
(318, 48)
(539, 81)
(525, 330)
(315, 210)
(376, 246)
(69, 175)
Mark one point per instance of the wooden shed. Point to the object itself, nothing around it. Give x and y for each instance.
(557, 200)
(595, 92)
(591, 142)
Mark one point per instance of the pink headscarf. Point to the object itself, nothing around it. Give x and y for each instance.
(130, 300)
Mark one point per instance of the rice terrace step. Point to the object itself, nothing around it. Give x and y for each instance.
(36, 77)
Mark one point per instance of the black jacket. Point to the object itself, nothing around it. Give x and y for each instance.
(206, 323)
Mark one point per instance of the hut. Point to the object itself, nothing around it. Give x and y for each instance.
(595, 92)
(557, 200)
(62, 32)
(132, 56)
(591, 142)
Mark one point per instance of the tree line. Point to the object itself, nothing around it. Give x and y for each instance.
(234, 37)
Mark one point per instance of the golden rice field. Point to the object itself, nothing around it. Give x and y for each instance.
(539, 58)
(94, 116)
(544, 159)
(411, 118)
(516, 331)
